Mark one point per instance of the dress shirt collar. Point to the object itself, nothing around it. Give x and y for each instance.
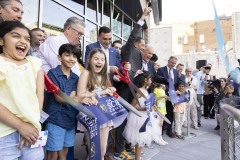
(169, 68)
(60, 72)
(103, 47)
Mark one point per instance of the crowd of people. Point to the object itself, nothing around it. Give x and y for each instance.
(25, 55)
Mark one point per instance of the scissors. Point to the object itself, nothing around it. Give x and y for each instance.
(56, 91)
(124, 76)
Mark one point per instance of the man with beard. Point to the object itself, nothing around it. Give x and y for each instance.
(131, 52)
(74, 29)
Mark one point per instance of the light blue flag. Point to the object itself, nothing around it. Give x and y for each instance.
(220, 42)
(234, 74)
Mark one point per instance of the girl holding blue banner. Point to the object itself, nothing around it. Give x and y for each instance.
(94, 83)
(178, 110)
(134, 123)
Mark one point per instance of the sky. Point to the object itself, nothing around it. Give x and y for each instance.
(178, 11)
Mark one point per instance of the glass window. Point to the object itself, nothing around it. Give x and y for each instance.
(127, 27)
(91, 10)
(180, 40)
(30, 16)
(53, 23)
(83, 53)
(91, 32)
(201, 38)
(100, 11)
(77, 5)
(114, 38)
(106, 13)
(185, 40)
(117, 22)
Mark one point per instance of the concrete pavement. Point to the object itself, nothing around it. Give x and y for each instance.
(206, 145)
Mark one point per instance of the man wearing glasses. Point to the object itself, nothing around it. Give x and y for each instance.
(74, 29)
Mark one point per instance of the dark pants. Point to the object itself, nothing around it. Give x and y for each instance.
(199, 109)
(169, 115)
(125, 93)
(70, 155)
(119, 139)
(208, 101)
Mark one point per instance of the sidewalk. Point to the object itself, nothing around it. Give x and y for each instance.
(206, 145)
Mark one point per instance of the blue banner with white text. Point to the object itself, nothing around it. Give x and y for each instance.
(108, 109)
(184, 97)
(149, 103)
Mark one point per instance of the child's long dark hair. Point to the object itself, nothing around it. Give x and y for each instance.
(93, 80)
(8, 26)
(139, 80)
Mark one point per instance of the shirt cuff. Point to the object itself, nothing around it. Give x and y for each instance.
(141, 23)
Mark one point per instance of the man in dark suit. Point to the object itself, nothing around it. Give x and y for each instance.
(166, 72)
(179, 68)
(104, 42)
(131, 52)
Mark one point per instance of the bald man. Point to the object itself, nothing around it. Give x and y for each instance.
(148, 65)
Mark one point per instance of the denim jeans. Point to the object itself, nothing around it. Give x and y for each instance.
(9, 149)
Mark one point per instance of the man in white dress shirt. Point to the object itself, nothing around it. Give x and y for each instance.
(74, 29)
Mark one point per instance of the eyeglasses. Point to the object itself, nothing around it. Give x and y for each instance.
(80, 34)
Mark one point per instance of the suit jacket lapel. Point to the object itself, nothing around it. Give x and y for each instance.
(98, 45)
(149, 67)
(111, 57)
(175, 74)
(165, 72)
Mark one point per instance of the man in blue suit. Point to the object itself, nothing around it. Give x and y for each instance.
(179, 68)
(104, 42)
(166, 72)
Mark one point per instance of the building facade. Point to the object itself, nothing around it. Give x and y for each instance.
(197, 36)
(194, 41)
(50, 15)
